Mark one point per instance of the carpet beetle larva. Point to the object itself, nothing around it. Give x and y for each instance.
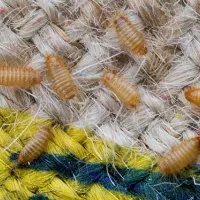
(19, 77)
(35, 147)
(180, 156)
(126, 92)
(192, 94)
(62, 82)
(129, 35)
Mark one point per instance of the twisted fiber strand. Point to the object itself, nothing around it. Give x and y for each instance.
(30, 30)
(78, 165)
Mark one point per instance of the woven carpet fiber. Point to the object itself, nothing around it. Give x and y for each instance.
(101, 149)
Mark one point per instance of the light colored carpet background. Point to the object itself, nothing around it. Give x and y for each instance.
(30, 30)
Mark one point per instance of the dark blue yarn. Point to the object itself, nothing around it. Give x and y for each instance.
(160, 187)
(39, 197)
(150, 185)
(89, 173)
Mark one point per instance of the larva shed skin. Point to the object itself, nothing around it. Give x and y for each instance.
(129, 35)
(62, 82)
(23, 77)
(124, 91)
(192, 94)
(35, 147)
(180, 156)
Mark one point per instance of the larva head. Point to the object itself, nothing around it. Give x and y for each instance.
(21, 159)
(107, 77)
(163, 167)
(50, 58)
(118, 19)
(143, 51)
(192, 94)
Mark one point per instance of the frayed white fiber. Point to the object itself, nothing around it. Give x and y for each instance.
(30, 30)
(151, 12)
(138, 120)
(183, 73)
(92, 115)
(113, 132)
(160, 134)
(189, 134)
(56, 109)
(152, 101)
(190, 45)
(50, 8)
(106, 98)
(76, 29)
(26, 28)
(180, 24)
(53, 42)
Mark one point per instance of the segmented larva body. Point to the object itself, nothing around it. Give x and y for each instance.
(125, 92)
(192, 94)
(180, 156)
(35, 147)
(62, 82)
(129, 35)
(19, 77)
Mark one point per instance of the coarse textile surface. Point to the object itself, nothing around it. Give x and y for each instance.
(102, 148)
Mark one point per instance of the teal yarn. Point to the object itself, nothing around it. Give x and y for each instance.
(142, 183)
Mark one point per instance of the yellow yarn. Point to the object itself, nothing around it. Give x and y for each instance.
(33, 179)
(97, 192)
(67, 144)
(79, 135)
(57, 189)
(78, 142)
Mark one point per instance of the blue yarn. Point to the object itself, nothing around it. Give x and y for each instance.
(159, 187)
(39, 197)
(89, 173)
(150, 185)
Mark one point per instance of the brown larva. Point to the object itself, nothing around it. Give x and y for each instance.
(62, 82)
(180, 156)
(19, 77)
(129, 35)
(125, 92)
(35, 147)
(192, 94)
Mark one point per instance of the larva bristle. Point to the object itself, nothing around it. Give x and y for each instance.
(192, 94)
(19, 77)
(180, 156)
(129, 35)
(35, 147)
(124, 91)
(62, 82)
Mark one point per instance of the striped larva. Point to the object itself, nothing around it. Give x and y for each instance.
(62, 82)
(129, 35)
(180, 156)
(192, 94)
(19, 77)
(125, 92)
(35, 147)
